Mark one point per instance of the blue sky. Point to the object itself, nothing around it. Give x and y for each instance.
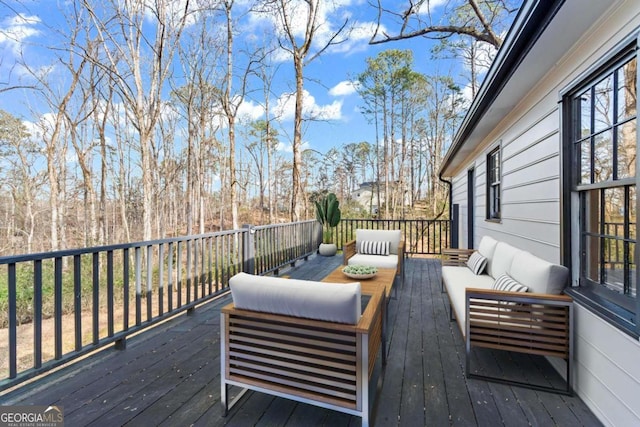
(27, 34)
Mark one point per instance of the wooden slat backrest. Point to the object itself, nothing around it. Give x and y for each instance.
(295, 360)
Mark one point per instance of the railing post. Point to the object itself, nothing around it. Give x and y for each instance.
(455, 225)
(249, 249)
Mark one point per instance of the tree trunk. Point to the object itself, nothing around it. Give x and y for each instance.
(296, 193)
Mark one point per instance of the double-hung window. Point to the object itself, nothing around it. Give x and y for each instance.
(600, 146)
(493, 184)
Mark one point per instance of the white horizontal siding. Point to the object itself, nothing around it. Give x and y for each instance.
(607, 370)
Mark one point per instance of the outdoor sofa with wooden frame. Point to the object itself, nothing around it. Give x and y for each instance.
(536, 322)
(279, 344)
(353, 253)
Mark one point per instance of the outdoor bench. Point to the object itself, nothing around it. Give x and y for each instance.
(529, 314)
(302, 340)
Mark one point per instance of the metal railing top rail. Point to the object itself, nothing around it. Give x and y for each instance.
(8, 259)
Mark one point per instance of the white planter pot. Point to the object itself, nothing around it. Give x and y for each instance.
(328, 249)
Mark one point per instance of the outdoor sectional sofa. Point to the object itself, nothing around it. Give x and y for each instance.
(537, 319)
(313, 342)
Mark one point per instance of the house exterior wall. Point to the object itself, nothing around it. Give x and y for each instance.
(606, 371)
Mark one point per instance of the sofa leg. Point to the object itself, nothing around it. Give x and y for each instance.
(452, 317)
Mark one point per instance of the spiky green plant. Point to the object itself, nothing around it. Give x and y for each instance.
(328, 214)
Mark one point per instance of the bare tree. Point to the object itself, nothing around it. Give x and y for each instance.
(481, 20)
(196, 101)
(18, 159)
(302, 51)
(267, 72)
(53, 130)
(125, 45)
(230, 101)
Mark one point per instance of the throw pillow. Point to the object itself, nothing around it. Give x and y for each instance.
(509, 284)
(476, 263)
(374, 248)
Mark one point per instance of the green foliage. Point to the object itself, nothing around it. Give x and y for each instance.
(360, 269)
(328, 214)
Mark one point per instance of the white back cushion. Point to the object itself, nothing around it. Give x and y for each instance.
(392, 236)
(332, 302)
(539, 275)
(500, 263)
(487, 247)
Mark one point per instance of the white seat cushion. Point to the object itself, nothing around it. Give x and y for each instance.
(332, 302)
(392, 236)
(380, 261)
(455, 279)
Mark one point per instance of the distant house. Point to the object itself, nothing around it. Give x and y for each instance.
(367, 196)
(546, 160)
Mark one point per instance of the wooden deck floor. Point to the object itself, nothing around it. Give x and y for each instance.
(170, 375)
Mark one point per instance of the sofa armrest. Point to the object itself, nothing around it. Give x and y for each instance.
(524, 322)
(455, 257)
(348, 250)
(401, 254)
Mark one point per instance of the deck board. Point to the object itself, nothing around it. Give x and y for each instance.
(170, 375)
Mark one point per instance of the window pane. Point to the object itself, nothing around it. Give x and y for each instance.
(603, 157)
(494, 167)
(627, 150)
(603, 106)
(591, 220)
(592, 257)
(585, 114)
(614, 209)
(632, 270)
(627, 90)
(632, 213)
(585, 162)
(613, 263)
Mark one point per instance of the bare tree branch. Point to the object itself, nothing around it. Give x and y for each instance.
(478, 20)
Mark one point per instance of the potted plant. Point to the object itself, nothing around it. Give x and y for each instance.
(328, 214)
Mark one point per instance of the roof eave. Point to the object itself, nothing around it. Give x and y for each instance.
(531, 21)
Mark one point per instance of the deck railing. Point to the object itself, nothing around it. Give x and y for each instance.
(421, 236)
(62, 305)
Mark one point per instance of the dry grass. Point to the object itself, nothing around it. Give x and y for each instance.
(25, 332)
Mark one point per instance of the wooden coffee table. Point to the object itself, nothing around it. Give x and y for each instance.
(384, 277)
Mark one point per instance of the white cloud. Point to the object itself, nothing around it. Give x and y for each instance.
(425, 8)
(248, 110)
(344, 88)
(288, 148)
(285, 108)
(15, 30)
